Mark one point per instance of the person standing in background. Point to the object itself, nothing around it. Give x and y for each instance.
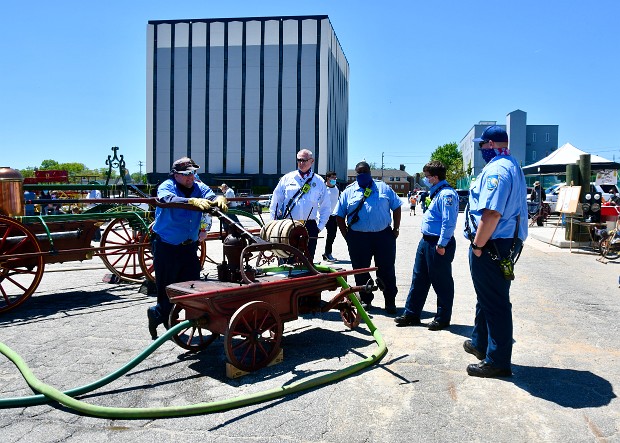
(332, 226)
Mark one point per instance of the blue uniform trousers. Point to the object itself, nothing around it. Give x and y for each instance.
(313, 235)
(492, 332)
(363, 246)
(172, 264)
(431, 268)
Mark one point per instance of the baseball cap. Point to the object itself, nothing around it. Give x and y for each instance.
(494, 133)
(223, 185)
(184, 164)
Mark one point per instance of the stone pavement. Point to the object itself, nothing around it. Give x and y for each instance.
(566, 363)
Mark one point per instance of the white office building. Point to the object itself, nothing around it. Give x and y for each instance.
(241, 96)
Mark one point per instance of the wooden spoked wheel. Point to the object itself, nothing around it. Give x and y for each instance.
(253, 337)
(124, 260)
(349, 314)
(19, 276)
(194, 338)
(145, 256)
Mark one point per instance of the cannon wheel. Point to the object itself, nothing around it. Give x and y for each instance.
(350, 315)
(19, 278)
(195, 338)
(253, 336)
(123, 261)
(145, 256)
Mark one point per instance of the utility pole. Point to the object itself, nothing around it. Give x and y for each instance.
(140, 164)
(382, 165)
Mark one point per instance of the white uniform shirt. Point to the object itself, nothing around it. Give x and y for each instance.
(333, 193)
(305, 206)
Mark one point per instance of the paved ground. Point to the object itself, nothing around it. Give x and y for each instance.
(76, 329)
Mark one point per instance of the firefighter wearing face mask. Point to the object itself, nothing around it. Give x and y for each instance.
(435, 253)
(365, 213)
(496, 225)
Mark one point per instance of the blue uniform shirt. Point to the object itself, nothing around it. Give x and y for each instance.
(175, 225)
(500, 187)
(440, 217)
(375, 213)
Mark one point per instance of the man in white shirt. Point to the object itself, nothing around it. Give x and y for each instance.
(302, 195)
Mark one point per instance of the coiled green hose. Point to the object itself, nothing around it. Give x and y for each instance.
(49, 393)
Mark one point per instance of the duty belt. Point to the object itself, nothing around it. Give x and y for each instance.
(432, 238)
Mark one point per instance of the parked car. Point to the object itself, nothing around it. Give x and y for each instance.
(250, 206)
(265, 203)
(463, 198)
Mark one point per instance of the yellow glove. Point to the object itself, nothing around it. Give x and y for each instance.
(221, 203)
(201, 203)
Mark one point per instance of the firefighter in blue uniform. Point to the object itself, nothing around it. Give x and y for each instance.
(365, 211)
(176, 233)
(433, 261)
(496, 225)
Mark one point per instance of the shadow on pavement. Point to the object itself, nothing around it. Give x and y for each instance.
(71, 302)
(566, 387)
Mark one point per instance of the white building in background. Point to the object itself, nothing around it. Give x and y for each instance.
(241, 96)
(528, 143)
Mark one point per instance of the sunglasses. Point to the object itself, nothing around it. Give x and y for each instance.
(301, 160)
(186, 173)
(482, 143)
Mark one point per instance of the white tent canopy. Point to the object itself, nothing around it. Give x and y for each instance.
(567, 154)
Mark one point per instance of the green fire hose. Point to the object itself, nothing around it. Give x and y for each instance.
(49, 393)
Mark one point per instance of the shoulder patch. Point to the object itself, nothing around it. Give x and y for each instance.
(492, 182)
(448, 200)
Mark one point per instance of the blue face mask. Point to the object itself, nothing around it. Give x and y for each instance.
(426, 182)
(364, 179)
(488, 154)
(332, 182)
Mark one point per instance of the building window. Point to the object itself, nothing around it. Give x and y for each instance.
(534, 156)
(534, 137)
(547, 137)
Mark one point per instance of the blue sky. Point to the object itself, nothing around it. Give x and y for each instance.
(73, 82)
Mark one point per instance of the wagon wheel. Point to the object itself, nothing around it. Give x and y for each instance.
(349, 314)
(253, 337)
(123, 261)
(19, 277)
(145, 257)
(194, 338)
(609, 250)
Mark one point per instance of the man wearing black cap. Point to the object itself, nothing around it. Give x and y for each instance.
(176, 233)
(496, 225)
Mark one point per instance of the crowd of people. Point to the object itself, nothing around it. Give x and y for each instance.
(367, 213)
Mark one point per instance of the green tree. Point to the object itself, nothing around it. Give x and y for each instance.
(452, 159)
(49, 164)
(28, 172)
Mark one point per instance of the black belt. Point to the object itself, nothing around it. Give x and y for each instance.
(430, 238)
(189, 241)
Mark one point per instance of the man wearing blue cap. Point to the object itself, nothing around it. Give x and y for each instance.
(496, 225)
